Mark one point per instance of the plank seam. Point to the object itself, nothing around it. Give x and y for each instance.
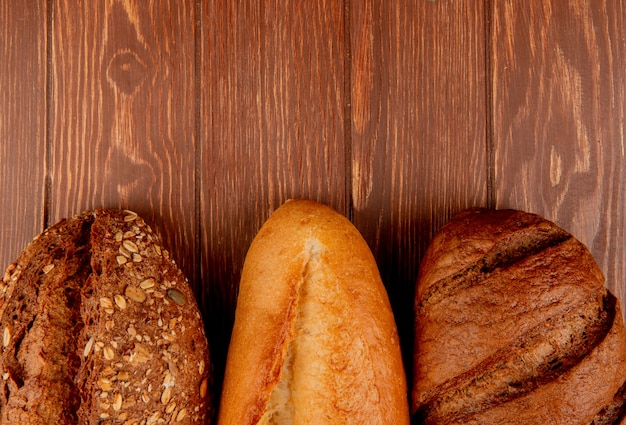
(348, 110)
(198, 144)
(47, 190)
(489, 130)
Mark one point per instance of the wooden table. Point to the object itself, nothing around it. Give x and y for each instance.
(205, 115)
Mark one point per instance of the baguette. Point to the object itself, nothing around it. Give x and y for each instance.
(100, 327)
(314, 339)
(514, 326)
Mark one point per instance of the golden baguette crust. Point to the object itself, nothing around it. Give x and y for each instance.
(314, 339)
(514, 326)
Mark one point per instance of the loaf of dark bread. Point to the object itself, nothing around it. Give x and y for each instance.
(99, 326)
(514, 326)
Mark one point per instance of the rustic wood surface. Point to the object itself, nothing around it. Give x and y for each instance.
(418, 130)
(205, 115)
(558, 102)
(23, 124)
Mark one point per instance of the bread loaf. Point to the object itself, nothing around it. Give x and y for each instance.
(514, 326)
(100, 327)
(314, 338)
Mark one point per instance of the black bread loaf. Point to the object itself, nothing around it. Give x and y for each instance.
(515, 326)
(101, 327)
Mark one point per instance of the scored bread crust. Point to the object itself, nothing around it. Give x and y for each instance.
(314, 338)
(514, 326)
(101, 327)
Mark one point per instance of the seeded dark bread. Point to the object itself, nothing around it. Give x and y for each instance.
(514, 326)
(314, 339)
(100, 327)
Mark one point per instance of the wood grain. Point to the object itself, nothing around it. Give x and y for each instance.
(272, 129)
(559, 100)
(23, 43)
(418, 130)
(123, 115)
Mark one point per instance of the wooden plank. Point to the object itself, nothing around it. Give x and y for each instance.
(272, 129)
(23, 41)
(559, 101)
(418, 130)
(124, 115)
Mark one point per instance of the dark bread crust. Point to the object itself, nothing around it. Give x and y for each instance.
(100, 326)
(612, 413)
(511, 310)
(35, 312)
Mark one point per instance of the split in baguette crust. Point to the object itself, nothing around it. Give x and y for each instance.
(314, 340)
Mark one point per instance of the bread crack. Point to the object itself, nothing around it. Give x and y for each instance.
(538, 356)
(323, 352)
(280, 407)
(526, 242)
(44, 323)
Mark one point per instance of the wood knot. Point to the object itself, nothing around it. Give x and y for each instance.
(126, 72)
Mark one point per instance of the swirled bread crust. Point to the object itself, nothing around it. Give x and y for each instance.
(514, 326)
